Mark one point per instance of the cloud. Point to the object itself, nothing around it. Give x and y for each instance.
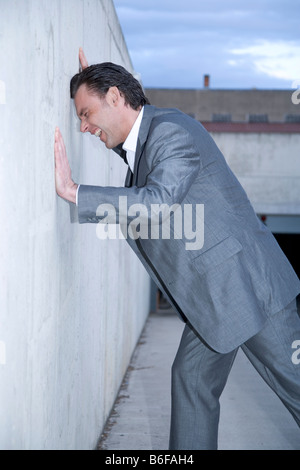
(275, 59)
(174, 43)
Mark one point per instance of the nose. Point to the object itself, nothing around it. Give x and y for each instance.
(83, 126)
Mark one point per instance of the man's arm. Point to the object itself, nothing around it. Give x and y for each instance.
(175, 165)
(65, 186)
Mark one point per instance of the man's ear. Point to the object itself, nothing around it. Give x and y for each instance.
(113, 96)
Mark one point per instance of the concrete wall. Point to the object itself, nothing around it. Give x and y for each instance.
(267, 166)
(72, 306)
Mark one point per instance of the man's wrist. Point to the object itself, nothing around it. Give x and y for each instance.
(71, 192)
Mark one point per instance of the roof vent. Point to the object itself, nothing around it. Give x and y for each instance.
(258, 118)
(221, 117)
(292, 118)
(206, 81)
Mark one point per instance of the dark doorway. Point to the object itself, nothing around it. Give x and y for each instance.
(290, 245)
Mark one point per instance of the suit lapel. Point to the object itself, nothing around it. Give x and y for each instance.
(142, 138)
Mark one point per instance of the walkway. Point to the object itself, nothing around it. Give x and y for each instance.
(252, 417)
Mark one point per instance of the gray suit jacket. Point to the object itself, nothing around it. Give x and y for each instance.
(226, 288)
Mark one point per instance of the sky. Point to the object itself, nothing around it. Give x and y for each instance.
(240, 44)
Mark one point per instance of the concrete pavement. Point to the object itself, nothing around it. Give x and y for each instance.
(252, 417)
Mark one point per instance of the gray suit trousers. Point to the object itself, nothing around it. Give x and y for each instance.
(199, 375)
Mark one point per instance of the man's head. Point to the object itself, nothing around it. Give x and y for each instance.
(100, 77)
(107, 100)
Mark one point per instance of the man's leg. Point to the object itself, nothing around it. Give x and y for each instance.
(199, 375)
(273, 352)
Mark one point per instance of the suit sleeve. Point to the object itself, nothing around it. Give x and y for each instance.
(174, 164)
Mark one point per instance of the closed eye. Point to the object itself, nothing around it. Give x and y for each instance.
(83, 113)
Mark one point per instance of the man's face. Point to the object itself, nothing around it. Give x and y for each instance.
(99, 116)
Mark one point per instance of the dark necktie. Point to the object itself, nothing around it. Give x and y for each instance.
(129, 176)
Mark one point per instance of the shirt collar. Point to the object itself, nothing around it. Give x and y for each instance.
(130, 143)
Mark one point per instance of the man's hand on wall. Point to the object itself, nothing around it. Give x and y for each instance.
(65, 186)
(82, 59)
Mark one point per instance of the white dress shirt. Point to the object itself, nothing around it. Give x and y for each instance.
(131, 142)
(129, 145)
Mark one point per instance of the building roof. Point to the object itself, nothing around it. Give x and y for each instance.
(247, 127)
(227, 108)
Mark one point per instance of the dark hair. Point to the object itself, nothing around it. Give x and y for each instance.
(100, 77)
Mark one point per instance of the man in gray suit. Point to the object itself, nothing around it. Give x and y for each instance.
(233, 288)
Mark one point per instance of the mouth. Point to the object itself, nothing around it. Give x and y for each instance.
(98, 132)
